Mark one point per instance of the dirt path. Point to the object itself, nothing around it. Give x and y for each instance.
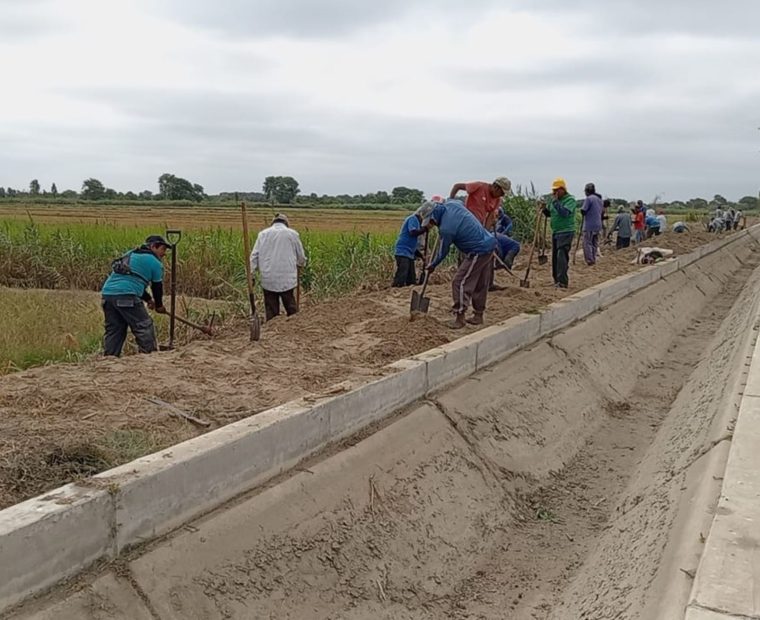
(61, 422)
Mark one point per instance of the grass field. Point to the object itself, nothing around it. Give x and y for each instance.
(205, 217)
(210, 261)
(41, 326)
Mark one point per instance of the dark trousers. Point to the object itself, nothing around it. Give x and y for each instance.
(122, 312)
(562, 243)
(471, 283)
(272, 303)
(622, 242)
(405, 275)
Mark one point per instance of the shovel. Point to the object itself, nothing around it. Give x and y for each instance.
(201, 328)
(420, 304)
(255, 324)
(525, 282)
(542, 257)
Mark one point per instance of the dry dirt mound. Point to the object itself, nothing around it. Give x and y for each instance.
(100, 406)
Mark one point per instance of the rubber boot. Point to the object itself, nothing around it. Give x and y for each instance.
(457, 322)
(476, 319)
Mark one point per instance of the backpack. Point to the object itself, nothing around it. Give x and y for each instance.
(121, 265)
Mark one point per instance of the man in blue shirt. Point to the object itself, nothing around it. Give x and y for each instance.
(592, 223)
(124, 292)
(653, 225)
(457, 226)
(406, 248)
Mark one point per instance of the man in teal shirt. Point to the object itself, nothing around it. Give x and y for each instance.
(124, 292)
(561, 211)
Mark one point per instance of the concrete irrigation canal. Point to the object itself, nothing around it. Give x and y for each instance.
(593, 461)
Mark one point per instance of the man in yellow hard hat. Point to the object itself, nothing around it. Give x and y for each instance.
(561, 211)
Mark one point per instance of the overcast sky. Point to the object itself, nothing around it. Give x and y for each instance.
(349, 96)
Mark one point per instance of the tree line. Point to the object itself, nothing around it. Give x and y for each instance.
(286, 190)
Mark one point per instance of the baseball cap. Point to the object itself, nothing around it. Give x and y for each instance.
(559, 182)
(157, 240)
(505, 184)
(281, 217)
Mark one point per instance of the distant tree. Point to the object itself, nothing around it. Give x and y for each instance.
(146, 194)
(697, 203)
(382, 197)
(2, 192)
(10, 192)
(282, 190)
(34, 187)
(130, 195)
(92, 189)
(54, 190)
(110, 194)
(719, 200)
(171, 187)
(69, 193)
(406, 195)
(749, 202)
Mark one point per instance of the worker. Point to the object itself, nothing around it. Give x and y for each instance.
(680, 227)
(591, 211)
(622, 225)
(278, 254)
(407, 246)
(606, 206)
(561, 211)
(124, 292)
(506, 249)
(504, 223)
(652, 226)
(483, 201)
(459, 227)
(663, 221)
(738, 219)
(639, 222)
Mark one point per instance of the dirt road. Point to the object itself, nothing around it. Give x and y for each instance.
(62, 422)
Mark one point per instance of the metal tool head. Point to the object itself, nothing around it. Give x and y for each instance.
(419, 304)
(543, 259)
(255, 325)
(525, 283)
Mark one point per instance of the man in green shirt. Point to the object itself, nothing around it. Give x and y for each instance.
(561, 211)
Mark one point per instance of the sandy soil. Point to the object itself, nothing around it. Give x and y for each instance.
(61, 422)
(548, 486)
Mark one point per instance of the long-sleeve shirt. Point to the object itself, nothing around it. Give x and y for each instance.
(277, 254)
(561, 212)
(456, 225)
(504, 224)
(622, 224)
(663, 222)
(592, 213)
(406, 244)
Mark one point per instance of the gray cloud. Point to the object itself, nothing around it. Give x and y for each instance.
(301, 18)
(647, 17)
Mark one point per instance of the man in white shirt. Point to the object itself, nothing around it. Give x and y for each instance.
(277, 254)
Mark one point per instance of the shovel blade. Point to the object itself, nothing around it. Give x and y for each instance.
(419, 303)
(542, 260)
(255, 326)
(525, 283)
